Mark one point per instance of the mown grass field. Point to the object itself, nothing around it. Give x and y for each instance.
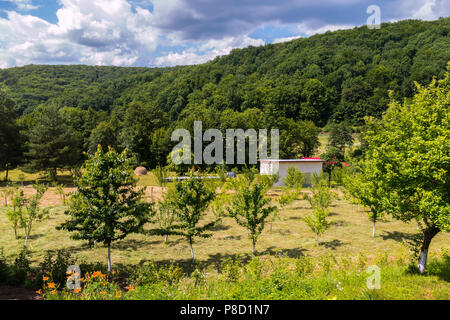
(284, 240)
(288, 236)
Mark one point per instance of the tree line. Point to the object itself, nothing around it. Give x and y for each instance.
(297, 87)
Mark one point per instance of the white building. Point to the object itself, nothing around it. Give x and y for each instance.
(308, 166)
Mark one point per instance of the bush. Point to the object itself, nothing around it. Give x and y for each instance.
(55, 264)
(304, 266)
(21, 268)
(150, 274)
(231, 269)
(5, 269)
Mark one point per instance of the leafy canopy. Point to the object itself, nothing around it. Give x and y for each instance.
(107, 206)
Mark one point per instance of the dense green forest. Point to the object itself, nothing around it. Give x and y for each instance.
(51, 114)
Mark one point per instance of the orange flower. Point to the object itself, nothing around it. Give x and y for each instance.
(77, 290)
(97, 274)
(53, 292)
(102, 293)
(45, 278)
(130, 288)
(82, 279)
(118, 295)
(39, 292)
(51, 285)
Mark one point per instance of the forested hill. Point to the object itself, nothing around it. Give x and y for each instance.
(343, 75)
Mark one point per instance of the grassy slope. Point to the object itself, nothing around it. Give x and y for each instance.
(351, 234)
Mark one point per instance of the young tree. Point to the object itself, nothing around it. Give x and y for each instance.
(160, 174)
(333, 158)
(318, 222)
(32, 212)
(409, 157)
(250, 209)
(13, 214)
(320, 201)
(369, 194)
(106, 206)
(294, 178)
(62, 194)
(7, 192)
(165, 214)
(191, 199)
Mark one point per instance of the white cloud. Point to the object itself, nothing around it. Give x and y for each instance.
(23, 5)
(309, 29)
(286, 39)
(423, 9)
(100, 32)
(124, 32)
(207, 51)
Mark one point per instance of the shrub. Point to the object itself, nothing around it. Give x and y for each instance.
(21, 268)
(5, 269)
(231, 269)
(304, 266)
(55, 264)
(150, 274)
(362, 261)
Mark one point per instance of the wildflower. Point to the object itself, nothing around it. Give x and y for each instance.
(118, 295)
(45, 278)
(77, 290)
(130, 288)
(39, 292)
(53, 292)
(51, 285)
(97, 274)
(102, 293)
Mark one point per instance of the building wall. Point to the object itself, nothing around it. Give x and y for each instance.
(309, 168)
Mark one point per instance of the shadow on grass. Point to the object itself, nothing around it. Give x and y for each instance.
(333, 245)
(340, 223)
(65, 180)
(220, 227)
(133, 244)
(397, 236)
(290, 253)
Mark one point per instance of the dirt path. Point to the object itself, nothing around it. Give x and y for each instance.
(12, 293)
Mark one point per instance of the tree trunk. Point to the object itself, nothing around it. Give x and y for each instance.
(192, 251)
(428, 235)
(374, 229)
(7, 173)
(253, 247)
(165, 238)
(317, 240)
(109, 259)
(26, 240)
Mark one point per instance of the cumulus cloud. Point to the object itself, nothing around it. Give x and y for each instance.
(207, 51)
(173, 32)
(100, 32)
(23, 5)
(285, 39)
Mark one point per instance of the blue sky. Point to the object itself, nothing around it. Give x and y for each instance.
(176, 32)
